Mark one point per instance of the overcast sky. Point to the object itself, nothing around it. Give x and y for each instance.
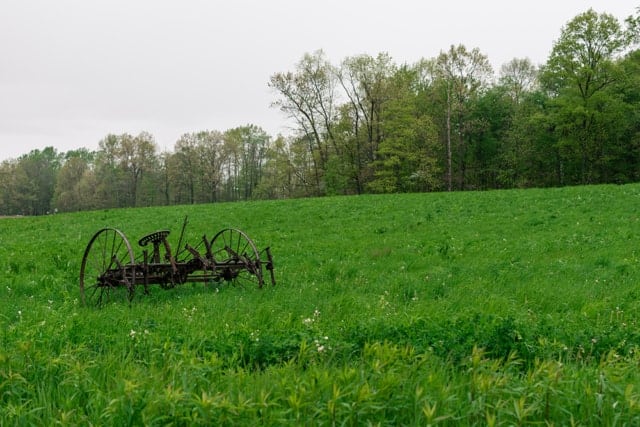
(73, 71)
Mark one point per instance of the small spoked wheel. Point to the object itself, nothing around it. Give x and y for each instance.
(236, 258)
(108, 269)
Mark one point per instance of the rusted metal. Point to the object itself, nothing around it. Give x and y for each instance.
(110, 271)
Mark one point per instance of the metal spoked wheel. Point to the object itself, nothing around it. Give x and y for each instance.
(108, 270)
(236, 258)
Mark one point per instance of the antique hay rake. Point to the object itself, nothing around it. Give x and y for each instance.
(109, 270)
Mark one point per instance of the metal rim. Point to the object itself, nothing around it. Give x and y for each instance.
(107, 272)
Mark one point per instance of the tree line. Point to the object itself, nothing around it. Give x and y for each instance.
(128, 171)
(369, 125)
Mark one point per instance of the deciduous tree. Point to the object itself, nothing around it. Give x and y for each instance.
(461, 75)
(406, 158)
(365, 82)
(580, 72)
(308, 97)
(518, 77)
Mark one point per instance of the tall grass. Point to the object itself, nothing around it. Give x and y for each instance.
(491, 308)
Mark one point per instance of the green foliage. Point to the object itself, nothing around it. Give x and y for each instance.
(406, 157)
(497, 308)
(587, 111)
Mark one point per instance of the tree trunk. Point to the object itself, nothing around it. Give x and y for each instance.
(449, 171)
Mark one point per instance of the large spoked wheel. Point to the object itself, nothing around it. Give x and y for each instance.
(236, 258)
(108, 271)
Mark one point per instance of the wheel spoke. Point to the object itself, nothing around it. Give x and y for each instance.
(243, 250)
(94, 289)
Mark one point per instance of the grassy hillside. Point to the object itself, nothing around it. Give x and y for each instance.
(498, 308)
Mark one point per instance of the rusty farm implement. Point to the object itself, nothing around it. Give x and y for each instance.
(110, 271)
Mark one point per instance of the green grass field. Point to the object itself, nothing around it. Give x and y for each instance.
(484, 308)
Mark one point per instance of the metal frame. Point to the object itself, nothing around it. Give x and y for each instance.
(109, 270)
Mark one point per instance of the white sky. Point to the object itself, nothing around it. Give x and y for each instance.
(73, 71)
